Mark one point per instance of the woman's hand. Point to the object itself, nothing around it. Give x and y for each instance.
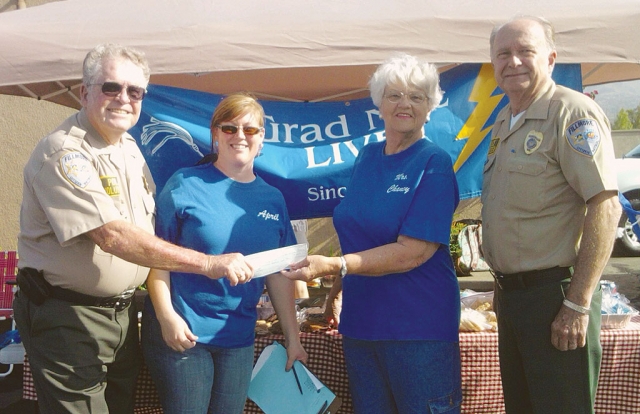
(176, 333)
(312, 267)
(332, 309)
(295, 351)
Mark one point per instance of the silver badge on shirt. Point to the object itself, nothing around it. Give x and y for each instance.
(533, 141)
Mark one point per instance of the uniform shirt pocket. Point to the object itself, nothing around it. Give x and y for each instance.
(526, 184)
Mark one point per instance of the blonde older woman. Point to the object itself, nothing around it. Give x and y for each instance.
(400, 299)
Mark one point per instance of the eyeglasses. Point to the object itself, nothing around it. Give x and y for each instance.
(113, 89)
(232, 129)
(414, 97)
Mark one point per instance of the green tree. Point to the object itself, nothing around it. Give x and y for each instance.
(634, 117)
(623, 120)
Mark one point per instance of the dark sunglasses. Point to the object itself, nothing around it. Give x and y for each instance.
(113, 89)
(232, 129)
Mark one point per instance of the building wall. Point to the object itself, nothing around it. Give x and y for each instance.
(624, 141)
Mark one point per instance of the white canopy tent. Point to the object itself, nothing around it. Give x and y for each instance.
(290, 49)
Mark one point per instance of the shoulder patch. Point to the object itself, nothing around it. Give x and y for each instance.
(584, 136)
(76, 168)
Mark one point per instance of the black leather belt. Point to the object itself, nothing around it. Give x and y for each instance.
(33, 284)
(118, 302)
(533, 278)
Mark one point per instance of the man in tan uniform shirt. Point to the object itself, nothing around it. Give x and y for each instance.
(550, 211)
(86, 242)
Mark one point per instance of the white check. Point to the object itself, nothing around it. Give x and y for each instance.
(272, 261)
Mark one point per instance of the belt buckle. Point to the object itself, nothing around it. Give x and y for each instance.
(121, 304)
(121, 301)
(124, 299)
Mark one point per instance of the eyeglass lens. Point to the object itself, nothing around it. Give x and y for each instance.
(396, 96)
(232, 129)
(136, 93)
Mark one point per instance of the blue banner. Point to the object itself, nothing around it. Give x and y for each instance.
(310, 148)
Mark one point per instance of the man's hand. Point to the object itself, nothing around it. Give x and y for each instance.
(232, 266)
(569, 329)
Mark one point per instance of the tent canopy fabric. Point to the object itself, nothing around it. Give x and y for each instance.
(296, 50)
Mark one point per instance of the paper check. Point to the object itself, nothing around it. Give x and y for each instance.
(272, 261)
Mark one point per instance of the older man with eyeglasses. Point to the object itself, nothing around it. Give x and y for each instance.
(86, 243)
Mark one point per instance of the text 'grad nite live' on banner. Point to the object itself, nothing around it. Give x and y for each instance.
(310, 147)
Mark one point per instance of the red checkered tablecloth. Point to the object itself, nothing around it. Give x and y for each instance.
(619, 384)
(618, 388)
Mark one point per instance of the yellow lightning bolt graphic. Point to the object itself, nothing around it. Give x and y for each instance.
(472, 129)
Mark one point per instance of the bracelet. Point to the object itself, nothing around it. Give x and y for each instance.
(343, 266)
(575, 307)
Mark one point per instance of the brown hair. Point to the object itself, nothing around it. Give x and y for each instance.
(235, 105)
(231, 107)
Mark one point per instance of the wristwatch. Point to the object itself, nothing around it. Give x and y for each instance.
(343, 267)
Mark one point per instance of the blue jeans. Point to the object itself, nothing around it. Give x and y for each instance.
(390, 377)
(203, 379)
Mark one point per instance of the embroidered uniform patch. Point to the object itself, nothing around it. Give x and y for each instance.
(76, 168)
(493, 145)
(584, 136)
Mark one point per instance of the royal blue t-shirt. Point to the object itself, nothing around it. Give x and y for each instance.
(412, 193)
(202, 209)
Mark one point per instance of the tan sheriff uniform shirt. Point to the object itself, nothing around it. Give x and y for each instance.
(538, 177)
(73, 183)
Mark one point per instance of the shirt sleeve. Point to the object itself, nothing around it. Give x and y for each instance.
(586, 152)
(69, 189)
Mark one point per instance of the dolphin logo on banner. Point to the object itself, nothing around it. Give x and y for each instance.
(167, 130)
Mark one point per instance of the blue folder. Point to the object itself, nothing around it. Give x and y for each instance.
(297, 391)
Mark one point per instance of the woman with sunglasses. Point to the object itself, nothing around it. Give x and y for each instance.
(198, 333)
(400, 295)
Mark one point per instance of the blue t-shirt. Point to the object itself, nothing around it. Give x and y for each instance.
(413, 193)
(202, 209)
